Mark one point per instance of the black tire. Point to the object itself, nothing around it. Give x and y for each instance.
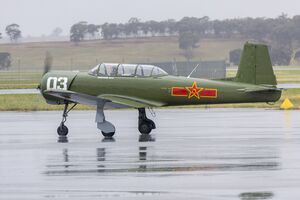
(153, 126)
(145, 128)
(108, 135)
(62, 130)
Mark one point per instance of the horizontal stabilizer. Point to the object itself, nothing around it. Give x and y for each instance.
(250, 90)
(289, 86)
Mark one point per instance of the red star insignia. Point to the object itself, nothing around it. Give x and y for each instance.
(194, 91)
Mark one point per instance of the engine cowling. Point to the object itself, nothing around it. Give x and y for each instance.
(56, 80)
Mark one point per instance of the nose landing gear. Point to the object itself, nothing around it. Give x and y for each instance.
(63, 130)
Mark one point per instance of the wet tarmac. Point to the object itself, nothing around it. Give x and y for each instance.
(193, 154)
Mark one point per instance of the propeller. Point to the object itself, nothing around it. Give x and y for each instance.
(48, 62)
(47, 65)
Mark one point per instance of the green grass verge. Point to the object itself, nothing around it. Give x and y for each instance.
(29, 102)
(17, 80)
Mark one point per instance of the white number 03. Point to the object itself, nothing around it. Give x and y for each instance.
(60, 83)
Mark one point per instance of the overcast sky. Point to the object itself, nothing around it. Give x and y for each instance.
(37, 17)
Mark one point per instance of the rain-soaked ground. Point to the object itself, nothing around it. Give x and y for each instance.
(193, 154)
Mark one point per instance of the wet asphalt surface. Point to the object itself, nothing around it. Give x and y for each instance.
(193, 154)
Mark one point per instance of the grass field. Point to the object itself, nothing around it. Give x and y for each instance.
(28, 61)
(29, 79)
(30, 56)
(16, 80)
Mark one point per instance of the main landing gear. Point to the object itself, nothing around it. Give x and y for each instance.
(108, 130)
(145, 125)
(63, 130)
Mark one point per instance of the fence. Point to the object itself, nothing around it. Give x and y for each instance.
(205, 69)
(27, 77)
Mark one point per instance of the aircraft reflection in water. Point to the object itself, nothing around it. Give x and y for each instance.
(62, 139)
(100, 164)
(256, 195)
(145, 161)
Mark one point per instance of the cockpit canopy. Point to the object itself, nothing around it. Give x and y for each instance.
(126, 70)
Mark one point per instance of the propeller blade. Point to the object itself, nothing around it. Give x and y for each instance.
(48, 62)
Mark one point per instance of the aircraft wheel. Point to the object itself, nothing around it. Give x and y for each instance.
(62, 130)
(145, 128)
(152, 124)
(108, 135)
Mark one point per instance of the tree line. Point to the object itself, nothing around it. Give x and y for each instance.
(282, 33)
(13, 32)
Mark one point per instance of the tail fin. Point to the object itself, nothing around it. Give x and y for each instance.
(255, 66)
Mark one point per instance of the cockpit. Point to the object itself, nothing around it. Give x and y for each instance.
(126, 70)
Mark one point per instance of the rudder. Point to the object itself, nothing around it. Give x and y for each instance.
(255, 66)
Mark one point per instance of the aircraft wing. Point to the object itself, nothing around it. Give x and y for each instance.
(131, 101)
(72, 96)
(115, 101)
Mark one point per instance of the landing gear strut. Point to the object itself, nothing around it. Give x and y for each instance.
(145, 125)
(63, 130)
(107, 129)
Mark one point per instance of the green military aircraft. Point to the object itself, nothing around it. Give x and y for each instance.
(146, 86)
